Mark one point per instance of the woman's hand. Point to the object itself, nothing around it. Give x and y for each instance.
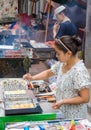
(27, 76)
(55, 27)
(83, 97)
(58, 104)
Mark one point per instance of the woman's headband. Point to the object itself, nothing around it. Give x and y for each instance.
(59, 41)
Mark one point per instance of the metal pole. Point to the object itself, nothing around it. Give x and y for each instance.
(88, 36)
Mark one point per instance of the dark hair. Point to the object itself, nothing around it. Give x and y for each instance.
(71, 43)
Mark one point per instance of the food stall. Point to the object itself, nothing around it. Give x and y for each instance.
(23, 108)
(13, 51)
(12, 60)
(20, 103)
(28, 105)
(15, 46)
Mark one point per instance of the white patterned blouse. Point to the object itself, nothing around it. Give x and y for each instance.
(68, 85)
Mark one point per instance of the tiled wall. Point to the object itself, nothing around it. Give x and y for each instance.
(8, 8)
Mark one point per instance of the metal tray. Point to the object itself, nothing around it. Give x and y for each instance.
(16, 95)
(35, 110)
(22, 107)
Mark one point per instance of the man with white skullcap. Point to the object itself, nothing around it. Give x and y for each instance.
(63, 26)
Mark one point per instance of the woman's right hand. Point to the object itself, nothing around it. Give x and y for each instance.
(56, 26)
(27, 76)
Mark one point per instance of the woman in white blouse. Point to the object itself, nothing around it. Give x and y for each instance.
(73, 79)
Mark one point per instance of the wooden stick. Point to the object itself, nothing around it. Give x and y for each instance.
(32, 9)
(46, 31)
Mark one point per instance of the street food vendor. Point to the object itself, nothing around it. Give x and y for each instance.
(63, 25)
(73, 79)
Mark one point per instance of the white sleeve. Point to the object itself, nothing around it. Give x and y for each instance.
(81, 79)
(55, 68)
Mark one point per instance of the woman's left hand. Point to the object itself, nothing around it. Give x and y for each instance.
(57, 105)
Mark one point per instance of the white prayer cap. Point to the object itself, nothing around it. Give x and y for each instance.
(58, 10)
